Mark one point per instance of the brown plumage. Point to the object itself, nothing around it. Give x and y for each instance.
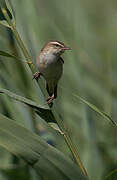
(50, 65)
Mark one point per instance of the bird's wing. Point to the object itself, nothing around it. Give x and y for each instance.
(61, 59)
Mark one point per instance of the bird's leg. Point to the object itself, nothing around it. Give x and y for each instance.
(50, 99)
(37, 75)
(55, 92)
(54, 96)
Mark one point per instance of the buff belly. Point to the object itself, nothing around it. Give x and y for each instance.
(52, 72)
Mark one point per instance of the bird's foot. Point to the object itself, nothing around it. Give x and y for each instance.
(36, 75)
(50, 99)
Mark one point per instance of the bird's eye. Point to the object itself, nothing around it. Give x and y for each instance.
(57, 45)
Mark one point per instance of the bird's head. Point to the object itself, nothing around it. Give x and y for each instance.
(55, 47)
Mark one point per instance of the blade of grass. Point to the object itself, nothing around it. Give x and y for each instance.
(10, 10)
(37, 153)
(43, 112)
(93, 107)
(2, 53)
(4, 23)
(5, 54)
(110, 174)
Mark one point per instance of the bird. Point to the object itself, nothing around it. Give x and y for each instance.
(50, 66)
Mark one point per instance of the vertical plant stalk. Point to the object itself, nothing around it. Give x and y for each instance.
(56, 115)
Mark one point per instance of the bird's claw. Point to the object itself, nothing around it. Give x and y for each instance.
(36, 75)
(50, 99)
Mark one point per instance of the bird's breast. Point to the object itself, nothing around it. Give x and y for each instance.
(50, 66)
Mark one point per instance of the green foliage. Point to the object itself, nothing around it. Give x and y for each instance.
(8, 8)
(89, 71)
(93, 107)
(2, 53)
(43, 112)
(36, 152)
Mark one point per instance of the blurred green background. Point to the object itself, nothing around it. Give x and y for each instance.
(90, 29)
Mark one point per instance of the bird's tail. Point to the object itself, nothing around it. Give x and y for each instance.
(51, 87)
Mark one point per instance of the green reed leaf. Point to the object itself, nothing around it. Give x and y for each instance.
(45, 159)
(93, 107)
(43, 112)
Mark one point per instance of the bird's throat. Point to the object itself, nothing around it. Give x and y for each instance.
(48, 58)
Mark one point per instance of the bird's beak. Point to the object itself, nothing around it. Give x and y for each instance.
(66, 48)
